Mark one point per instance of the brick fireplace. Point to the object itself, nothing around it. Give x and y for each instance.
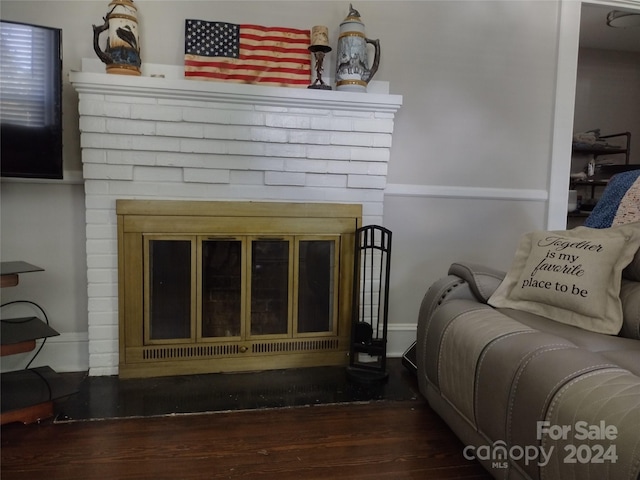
(165, 138)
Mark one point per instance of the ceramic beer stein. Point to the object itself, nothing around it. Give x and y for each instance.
(122, 53)
(352, 67)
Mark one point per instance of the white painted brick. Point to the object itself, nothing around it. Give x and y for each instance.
(183, 159)
(136, 189)
(103, 346)
(130, 127)
(373, 209)
(205, 175)
(288, 121)
(99, 217)
(320, 180)
(102, 261)
(101, 231)
(99, 202)
(379, 125)
(370, 154)
(246, 118)
(367, 181)
(90, 155)
(244, 177)
(332, 124)
(157, 144)
(382, 140)
(284, 150)
(96, 187)
(115, 172)
(227, 132)
(310, 137)
(180, 129)
(103, 304)
(102, 371)
(163, 113)
(101, 247)
(131, 157)
(306, 165)
(206, 115)
(284, 178)
(157, 174)
(92, 124)
(117, 110)
(101, 275)
(246, 148)
(102, 290)
(203, 146)
(103, 332)
(103, 364)
(352, 138)
(90, 106)
(274, 135)
(328, 152)
(361, 168)
(106, 320)
(251, 163)
(96, 140)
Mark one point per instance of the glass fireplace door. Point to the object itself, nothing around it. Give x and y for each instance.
(170, 290)
(204, 289)
(222, 288)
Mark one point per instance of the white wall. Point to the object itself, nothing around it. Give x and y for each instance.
(470, 163)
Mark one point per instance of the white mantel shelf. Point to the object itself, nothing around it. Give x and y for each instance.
(207, 91)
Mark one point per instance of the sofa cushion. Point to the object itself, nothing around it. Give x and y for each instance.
(571, 276)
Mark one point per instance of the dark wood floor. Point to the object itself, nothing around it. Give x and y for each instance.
(378, 440)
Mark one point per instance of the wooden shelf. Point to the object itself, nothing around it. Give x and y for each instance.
(28, 395)
(17, 334)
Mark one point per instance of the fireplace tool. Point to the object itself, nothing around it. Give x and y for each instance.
(372, 265)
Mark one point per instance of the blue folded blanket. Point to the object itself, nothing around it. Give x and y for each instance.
(605, 210)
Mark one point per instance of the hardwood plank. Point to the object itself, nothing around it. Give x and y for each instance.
(379, 440)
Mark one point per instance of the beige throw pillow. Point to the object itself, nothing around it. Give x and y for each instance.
(571, 276)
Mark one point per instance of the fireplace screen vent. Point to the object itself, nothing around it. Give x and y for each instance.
(204, 351)
(301, 346)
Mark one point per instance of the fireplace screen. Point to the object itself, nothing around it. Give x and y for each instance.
(292, 287)
(233, 286)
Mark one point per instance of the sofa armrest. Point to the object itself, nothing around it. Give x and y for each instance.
(482, 280)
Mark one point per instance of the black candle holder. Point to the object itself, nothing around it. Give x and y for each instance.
(319, 51)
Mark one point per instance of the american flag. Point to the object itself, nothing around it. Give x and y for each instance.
(247, 53)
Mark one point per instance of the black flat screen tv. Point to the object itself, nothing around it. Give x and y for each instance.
(30, 101)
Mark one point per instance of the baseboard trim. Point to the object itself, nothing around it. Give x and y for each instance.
(452, 191)
(400, 336)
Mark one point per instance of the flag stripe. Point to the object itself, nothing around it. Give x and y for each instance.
(247, 53)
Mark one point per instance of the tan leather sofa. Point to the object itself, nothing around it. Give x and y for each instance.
(531, 398)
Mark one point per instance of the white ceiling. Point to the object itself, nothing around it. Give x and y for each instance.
(594, 32)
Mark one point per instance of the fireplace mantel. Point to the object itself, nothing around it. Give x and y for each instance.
(233, 93)
(161, 137)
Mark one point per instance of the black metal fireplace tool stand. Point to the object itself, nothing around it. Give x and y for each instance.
(372, 265)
